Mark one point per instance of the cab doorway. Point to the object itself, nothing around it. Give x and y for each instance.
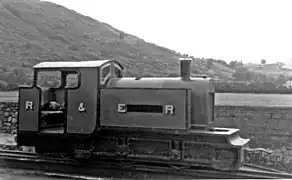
(53, 111)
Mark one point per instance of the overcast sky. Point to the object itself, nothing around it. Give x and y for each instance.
(247, 30)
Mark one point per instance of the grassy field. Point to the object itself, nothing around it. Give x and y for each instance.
(221, 99)
(9, 96)
(254, 100)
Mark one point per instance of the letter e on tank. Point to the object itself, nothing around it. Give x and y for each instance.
(122, 108)
(28, 105)
(169, 110)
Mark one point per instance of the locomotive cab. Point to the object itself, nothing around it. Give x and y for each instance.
(63, 101)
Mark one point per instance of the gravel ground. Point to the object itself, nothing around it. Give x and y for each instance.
(11, 174)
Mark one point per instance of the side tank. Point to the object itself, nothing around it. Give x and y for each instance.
(202, 91)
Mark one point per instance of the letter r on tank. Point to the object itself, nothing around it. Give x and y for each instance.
(28, 105)
(169, 109)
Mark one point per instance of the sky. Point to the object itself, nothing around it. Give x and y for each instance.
(247, 30)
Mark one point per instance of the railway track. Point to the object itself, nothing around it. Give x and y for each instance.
(109, 168)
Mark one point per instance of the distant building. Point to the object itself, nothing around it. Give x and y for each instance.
(288, 66)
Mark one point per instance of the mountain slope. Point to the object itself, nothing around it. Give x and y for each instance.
(32, 31)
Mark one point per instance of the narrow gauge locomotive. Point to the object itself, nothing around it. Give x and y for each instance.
(104, 114)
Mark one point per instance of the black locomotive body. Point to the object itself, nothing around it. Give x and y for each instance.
(93, 110)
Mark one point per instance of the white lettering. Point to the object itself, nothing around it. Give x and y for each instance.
(122, 108)
(28, 105)
(169, 109)
(81, 107)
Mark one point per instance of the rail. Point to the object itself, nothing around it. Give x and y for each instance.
(68, 168)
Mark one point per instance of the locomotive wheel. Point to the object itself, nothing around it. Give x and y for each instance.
(66, 155)
(82, 156)
(39, 151)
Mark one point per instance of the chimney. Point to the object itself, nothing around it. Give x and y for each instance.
(185, 68)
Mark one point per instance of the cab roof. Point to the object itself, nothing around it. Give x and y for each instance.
(75, 64)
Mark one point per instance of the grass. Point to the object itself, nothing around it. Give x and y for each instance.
(9, 94)
(253, 100)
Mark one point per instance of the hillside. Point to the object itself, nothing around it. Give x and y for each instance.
(32, 31)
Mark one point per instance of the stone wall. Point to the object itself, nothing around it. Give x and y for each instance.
(268, 129)
(8, 117)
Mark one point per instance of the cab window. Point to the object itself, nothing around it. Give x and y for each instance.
(72, 80)
(118, 72)
(212, 103)
(104, 72)
(49, 79)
